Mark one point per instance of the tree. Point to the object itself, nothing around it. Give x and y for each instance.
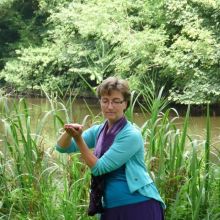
(174, 42)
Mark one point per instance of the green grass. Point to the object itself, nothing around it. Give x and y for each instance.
(36, 182)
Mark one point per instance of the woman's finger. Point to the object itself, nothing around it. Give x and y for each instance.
(75, 126)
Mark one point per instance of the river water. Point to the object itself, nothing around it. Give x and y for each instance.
(80, 108)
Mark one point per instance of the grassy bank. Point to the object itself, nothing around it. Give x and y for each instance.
(38, 183)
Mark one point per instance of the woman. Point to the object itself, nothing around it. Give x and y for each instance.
(121, 188)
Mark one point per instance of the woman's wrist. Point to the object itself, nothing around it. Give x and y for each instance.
(87, 155)
(78, 140)
(64, 140)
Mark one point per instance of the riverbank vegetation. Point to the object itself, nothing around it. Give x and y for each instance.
(36, 182)
(56, 44)
(67, 47)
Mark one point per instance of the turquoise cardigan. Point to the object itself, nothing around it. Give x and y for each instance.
(128, 149)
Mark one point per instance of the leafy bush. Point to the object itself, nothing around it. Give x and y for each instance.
(174, 42)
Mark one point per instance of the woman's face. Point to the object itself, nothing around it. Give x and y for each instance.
(113, 106)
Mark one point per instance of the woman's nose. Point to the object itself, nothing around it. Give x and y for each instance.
(110, 105)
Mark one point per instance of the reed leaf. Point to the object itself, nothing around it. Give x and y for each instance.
(207, 155)
(181, 146)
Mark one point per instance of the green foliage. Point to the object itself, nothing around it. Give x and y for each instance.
(37, 67)
(177, 41)
(20, 26)
(193, 59)
(38, 183)
(35, 183)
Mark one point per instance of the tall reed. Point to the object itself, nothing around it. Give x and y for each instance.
(38, 183)
(179, 164)
(35, 184)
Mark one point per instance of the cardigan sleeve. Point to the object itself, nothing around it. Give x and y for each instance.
(123, 148)
(89, 137)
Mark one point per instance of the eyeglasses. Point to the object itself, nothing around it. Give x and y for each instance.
(114, 102)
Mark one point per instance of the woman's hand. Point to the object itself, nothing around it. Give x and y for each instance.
(74, 130)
